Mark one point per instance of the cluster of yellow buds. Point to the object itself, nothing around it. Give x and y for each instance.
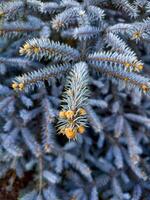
(2, 14)
(57, 24)
(145, 88)
(18, 86)
(73, 129)
(137, 35)
(24, 49)
(137, 67)
(28, 48)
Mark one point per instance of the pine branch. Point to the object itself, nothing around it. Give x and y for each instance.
(19, 62)
(49, 7)
(48, 131)
(85, 32)
(95, 13)
(70, 3)
(79, 165)
(72, 117)
(31, 142)
(10, 9)
(81, 33)
(94, 120)
(18, 28)
(36, 78)
(114, 59)
(132, 80)
(131, 10)
(118, 45)
(135, 31)
(39, 48)
(64, 19)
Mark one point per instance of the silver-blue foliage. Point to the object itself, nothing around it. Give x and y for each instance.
(77, 64)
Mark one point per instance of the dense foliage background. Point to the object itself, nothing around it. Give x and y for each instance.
(80, 69)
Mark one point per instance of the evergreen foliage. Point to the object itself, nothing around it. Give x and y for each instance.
(74, 98)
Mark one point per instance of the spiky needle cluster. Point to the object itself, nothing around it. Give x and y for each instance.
(72, 117)
(81, 66)
(120, 63)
